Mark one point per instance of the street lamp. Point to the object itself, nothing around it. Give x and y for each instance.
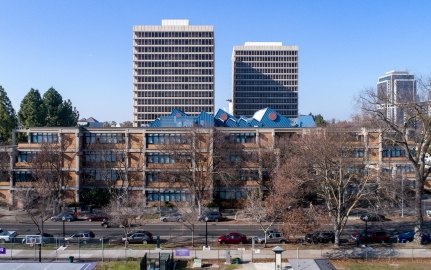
(64, 231)
(366, 229)
(278, 250)
(206, 232)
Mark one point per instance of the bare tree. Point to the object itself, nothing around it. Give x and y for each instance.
(198, 161)
(50, 172)
(119, 171)
(326, 164)
(411, 131)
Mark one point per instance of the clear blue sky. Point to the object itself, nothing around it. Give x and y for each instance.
(83, 48)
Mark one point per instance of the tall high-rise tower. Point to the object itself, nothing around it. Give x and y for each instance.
(395, 90)
(265, 74)
(173, 67)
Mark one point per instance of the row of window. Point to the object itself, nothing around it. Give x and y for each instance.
(161, 138)
(266, 77)
(26, 156)
(268, 101)
(261, 92)
(273, 106)
(208, 79)
(104, 138)
(242, 137)
(174, 49)
(199, 64)
(252, 91)
(22, 176)
(102, 156)
(266, 65)
(166, 34)
(166, 196)
(160, 158)
(231, 194)
(393, 152)
(199, 71)
(266, 82)
(265, 59)
(266, 71)
(206, 41)
(173, 86)
(174, 94)
(44, 137)
(167, 109)
(175, 101)
(269, 52)
(174, 56)
(102, 175)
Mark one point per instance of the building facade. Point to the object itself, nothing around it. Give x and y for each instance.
(173, 67)
(157, 163)
(394, 89)
(265, 74)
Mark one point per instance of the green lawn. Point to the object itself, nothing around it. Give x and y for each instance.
(382, 264)
(118, 265)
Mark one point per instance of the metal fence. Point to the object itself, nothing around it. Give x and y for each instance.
(53, 249)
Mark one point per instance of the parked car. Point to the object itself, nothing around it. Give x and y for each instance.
(7, 236)
(46, 238)
(97, 217)
(272, 237)
(409, 236)
(211, 216)
(373, 217)
(232, 238)
(371, 237)
(138, 237)
(320, 237)
(113, 224)
(80, 237)
(178, 217)
(64, 216)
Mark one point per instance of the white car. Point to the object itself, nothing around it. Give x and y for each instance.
(6, 236)
(175, 217)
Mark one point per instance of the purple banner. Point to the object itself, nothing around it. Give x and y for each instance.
(182, 252)
(2, 250)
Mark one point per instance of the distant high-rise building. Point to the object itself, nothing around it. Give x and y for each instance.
(394, 89)
(265, 74)
(173, 68)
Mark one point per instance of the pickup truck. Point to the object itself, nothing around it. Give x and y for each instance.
(6, 236)
(272, 237)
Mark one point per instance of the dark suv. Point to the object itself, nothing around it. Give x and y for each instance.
(320, 237)
(371, 237)
(211, 216)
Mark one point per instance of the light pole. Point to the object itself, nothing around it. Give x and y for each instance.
(402, 196)
(206, 232)
(64, 231)
(366, 230)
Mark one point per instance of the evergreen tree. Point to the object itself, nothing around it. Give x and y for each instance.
(59, 113)
(68, 114)
(31, 112)
(8, 120)
(52, 103)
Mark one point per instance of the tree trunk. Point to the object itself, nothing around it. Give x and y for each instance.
(419, 211)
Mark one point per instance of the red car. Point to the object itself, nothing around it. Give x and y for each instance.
(232, 238)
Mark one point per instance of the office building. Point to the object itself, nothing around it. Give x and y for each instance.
(173, 68)
(265, 74)
(395, 90)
